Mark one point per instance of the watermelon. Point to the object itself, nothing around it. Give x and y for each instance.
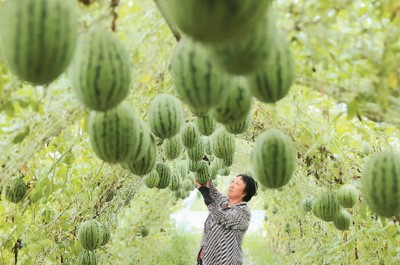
(87, 257)
(173, 147)
(175, 182)
(203, 173)
(165, 116)
(247, 54)
(343, 220)
(208, 149)
(225, 171)
(100, 70)
(152, 179)
(223, 144)
(273, 157)
(117, 135)
(182, 168)
(15, 190)
(165, 173)
(90, 234)
(272, 82)
(241, 126)
(38, 38)
(144, 165)
(206, 125)
(326, 207)
(381, 183)
(235, 106)
(228, 161)
(215, 21)
(198, 82)
(306, 204)
(347, 195)
(190, 135)
(197, 152)
(106, 234)
(194, 165)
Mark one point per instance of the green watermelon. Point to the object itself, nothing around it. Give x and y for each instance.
(306, 204)
(381, 183)
(241, 126)
(326, 207)
(106, 234)
(273, 157)
(343, 220)
(194, 165)
(165, 173)
(206, 125)
(235, 106)
(208, 149)
(117, 135)
(197, 152)
(272, 83)
(144, 165)
(152, 179)
(228, 161)
(15, 190)
(223, 144)
(38, 38)
(190, 135)
(225, 171)
(87, 257)
(347, 195)
(248, 53)
(100, 70)
(182, 168)
(90, 234)
(198, 82)
(175, 182)
(173, 147)
(165, 116)
(203, 173)
(215, 21)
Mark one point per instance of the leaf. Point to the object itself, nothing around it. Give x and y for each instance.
(352, 108)
(21, 135)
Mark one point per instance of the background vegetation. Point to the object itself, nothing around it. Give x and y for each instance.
(343, 106)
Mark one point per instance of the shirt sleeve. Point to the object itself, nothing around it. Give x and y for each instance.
(237, 218)
(215, 194)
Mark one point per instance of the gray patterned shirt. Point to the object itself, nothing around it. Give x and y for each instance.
(223, 231)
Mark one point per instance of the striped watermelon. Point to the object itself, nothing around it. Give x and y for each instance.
(90, 234)
(173, 147)
(235, 106)
(187, 185)
(193, 165)
(203, 173)
(117, 135)
(175, 182)
(197, 152)
(15, 189)
(87, 257)
(208, 149)
(144, 165)
(190, 135)
(106, 234)
(100, 72)
(228, 161)
(206, 125)
(241, 126)
(306, 204)
(38, 38)
(326, 207)
(225, 171)
(343, 220)
(198, 82)
(213, 168)
(223, 144)
(215, 21)
(273, 81)
(165, 173)
(347, 195)
(247, 54)
(273, 157)
(152, 179)
(182, 168)
(381, 183)
(165, 116)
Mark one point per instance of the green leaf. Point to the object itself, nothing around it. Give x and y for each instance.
(21, 135)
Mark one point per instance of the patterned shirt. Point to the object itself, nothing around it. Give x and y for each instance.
(223, 231)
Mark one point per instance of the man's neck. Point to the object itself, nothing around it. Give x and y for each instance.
(234, 201)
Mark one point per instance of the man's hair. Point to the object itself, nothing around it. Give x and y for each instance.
(251, 187)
